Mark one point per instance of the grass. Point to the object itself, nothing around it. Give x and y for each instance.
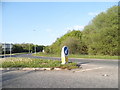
(35, 63)
(94, 56)
(45, 54)
(78, 56)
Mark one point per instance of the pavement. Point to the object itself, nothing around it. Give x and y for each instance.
(93, 74)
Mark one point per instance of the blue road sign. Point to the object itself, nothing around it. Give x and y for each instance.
(66, 50)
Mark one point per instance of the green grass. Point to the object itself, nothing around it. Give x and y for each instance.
(21, 53)
(35, 63)
(45, 54)
(78, 56)
(94, 56)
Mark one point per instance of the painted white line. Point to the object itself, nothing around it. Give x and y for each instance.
(89, 69)
(84, 64)
(92, 69)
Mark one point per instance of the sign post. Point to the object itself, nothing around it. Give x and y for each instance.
(4, 50)
(64, 55)
(10, 49)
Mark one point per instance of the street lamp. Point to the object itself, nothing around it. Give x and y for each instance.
(35, 49)
(10, 49)
(4, 50)
(29, 47)
(35, 45)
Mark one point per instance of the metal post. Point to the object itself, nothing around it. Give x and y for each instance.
(35, 49)
(35, 45)
(4, 50)
(10, 49)
(29, 48)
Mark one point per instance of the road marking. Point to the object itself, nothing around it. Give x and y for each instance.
(84, 64)
(90, 69)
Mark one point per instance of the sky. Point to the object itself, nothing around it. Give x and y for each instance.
(43, 22)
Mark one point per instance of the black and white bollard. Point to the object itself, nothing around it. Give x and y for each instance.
(64, 55)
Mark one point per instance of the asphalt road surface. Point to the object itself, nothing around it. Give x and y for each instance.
(93, 74)
(78, 60)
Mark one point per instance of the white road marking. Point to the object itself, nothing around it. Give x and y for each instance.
(84, 64)
(90, 69)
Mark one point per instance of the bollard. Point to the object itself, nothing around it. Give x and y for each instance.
(64, 55)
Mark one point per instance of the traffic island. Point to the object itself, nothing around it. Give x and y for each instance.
(36, 64)
(36, 69)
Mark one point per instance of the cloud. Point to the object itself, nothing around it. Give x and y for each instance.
(48, 30)
(76, 27)
(93, 13)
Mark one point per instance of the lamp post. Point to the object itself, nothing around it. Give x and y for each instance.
(35, 49)
(10, 49)
(29, 47)
(4, 50)
(35, 45)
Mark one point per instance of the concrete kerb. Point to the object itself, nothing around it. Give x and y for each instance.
(36, 69)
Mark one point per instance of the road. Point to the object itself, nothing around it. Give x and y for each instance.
(78, 60)
(97, 78)
(94, 74)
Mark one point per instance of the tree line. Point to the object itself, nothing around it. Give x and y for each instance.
(99, 37)
(25, 47)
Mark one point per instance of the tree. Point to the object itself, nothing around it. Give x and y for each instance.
(73, 39)
(73, 45)
(101, 36)
(17, 48)
(26, 47)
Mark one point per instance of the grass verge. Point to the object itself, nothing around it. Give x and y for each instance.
(78, 56)
(35, 63)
